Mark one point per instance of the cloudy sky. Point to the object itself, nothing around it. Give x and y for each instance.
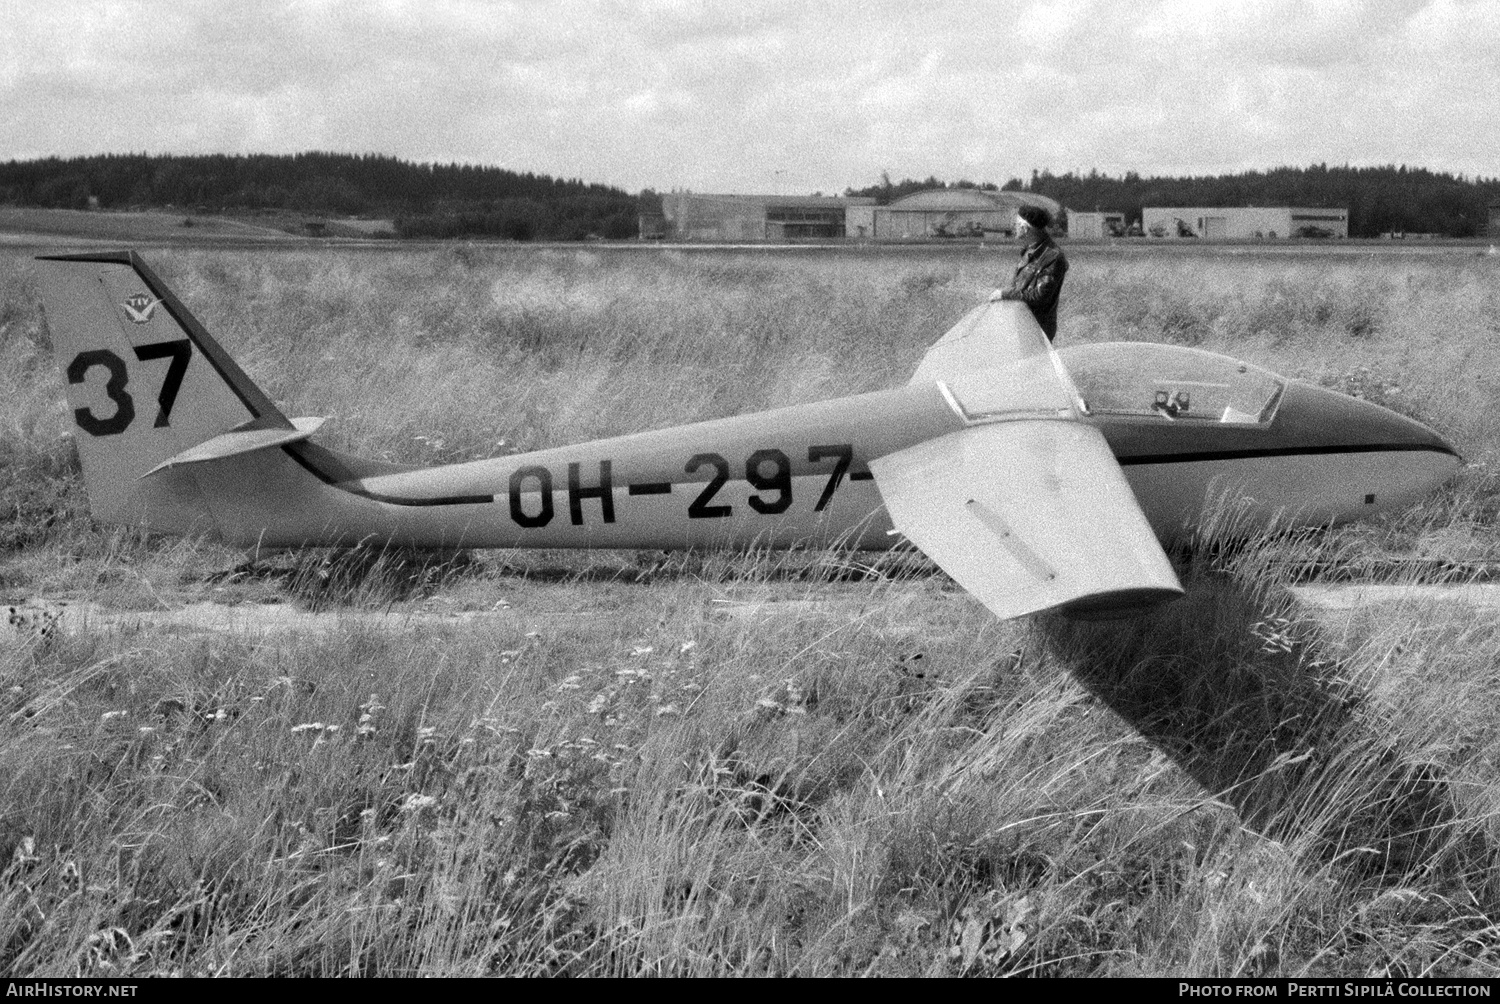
(764, 95)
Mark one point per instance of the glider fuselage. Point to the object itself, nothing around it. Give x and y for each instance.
(801, 475)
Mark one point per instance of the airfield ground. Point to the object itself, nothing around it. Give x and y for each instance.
(817, 764)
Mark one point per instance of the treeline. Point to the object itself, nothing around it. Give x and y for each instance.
(1379, 199)
(459, 200)
(425, 200)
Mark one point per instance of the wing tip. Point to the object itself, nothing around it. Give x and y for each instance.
(1118, 604)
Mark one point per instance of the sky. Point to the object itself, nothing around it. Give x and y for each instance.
(767, 96)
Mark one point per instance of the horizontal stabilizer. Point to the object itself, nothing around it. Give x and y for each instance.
(236, 442)
(1028, 516)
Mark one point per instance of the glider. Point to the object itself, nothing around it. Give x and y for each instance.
(1038, 479)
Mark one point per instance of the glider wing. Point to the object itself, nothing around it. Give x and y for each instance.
(1026, 508)
(1028, 516)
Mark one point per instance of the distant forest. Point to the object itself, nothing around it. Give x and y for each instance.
(458, 200)
(424, 200)
(1379, 199)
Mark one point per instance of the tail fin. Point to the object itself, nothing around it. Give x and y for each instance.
(147, 385)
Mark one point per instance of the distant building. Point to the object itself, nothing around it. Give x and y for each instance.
(936, 213)
(1227, 223)
(690, 216)
(955, 212)
(1095, 226)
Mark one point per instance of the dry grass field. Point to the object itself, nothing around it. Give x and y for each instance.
(26, 224)
(720, 764)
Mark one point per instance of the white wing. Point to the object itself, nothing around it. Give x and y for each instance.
(1026, 508)
(1028, 516)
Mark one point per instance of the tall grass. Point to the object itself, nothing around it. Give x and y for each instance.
(874, 778)
(737, 764)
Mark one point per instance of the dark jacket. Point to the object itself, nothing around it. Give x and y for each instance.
(1038, 281)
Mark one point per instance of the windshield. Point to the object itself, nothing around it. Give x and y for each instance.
(1140, 378)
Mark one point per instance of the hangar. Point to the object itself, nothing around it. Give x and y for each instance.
(690, 216)
(1248, 222)
(954, 212)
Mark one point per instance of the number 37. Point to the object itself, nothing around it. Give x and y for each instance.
(179, 352)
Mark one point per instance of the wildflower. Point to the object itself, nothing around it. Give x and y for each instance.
(668, 709)
(25, 852)
(687, 647)
(574, 682)
(109, 716)
(366, 726)
(308, 727)
(598, 705)
(416, 803)
(640, 650)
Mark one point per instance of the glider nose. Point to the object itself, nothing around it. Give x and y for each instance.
(1330, 418)
(1396, 460)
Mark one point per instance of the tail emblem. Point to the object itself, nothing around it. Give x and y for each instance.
(139, 308)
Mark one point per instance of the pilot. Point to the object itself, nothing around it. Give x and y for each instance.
(1039, 276)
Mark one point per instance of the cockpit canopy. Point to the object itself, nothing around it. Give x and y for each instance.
(1171, 382)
